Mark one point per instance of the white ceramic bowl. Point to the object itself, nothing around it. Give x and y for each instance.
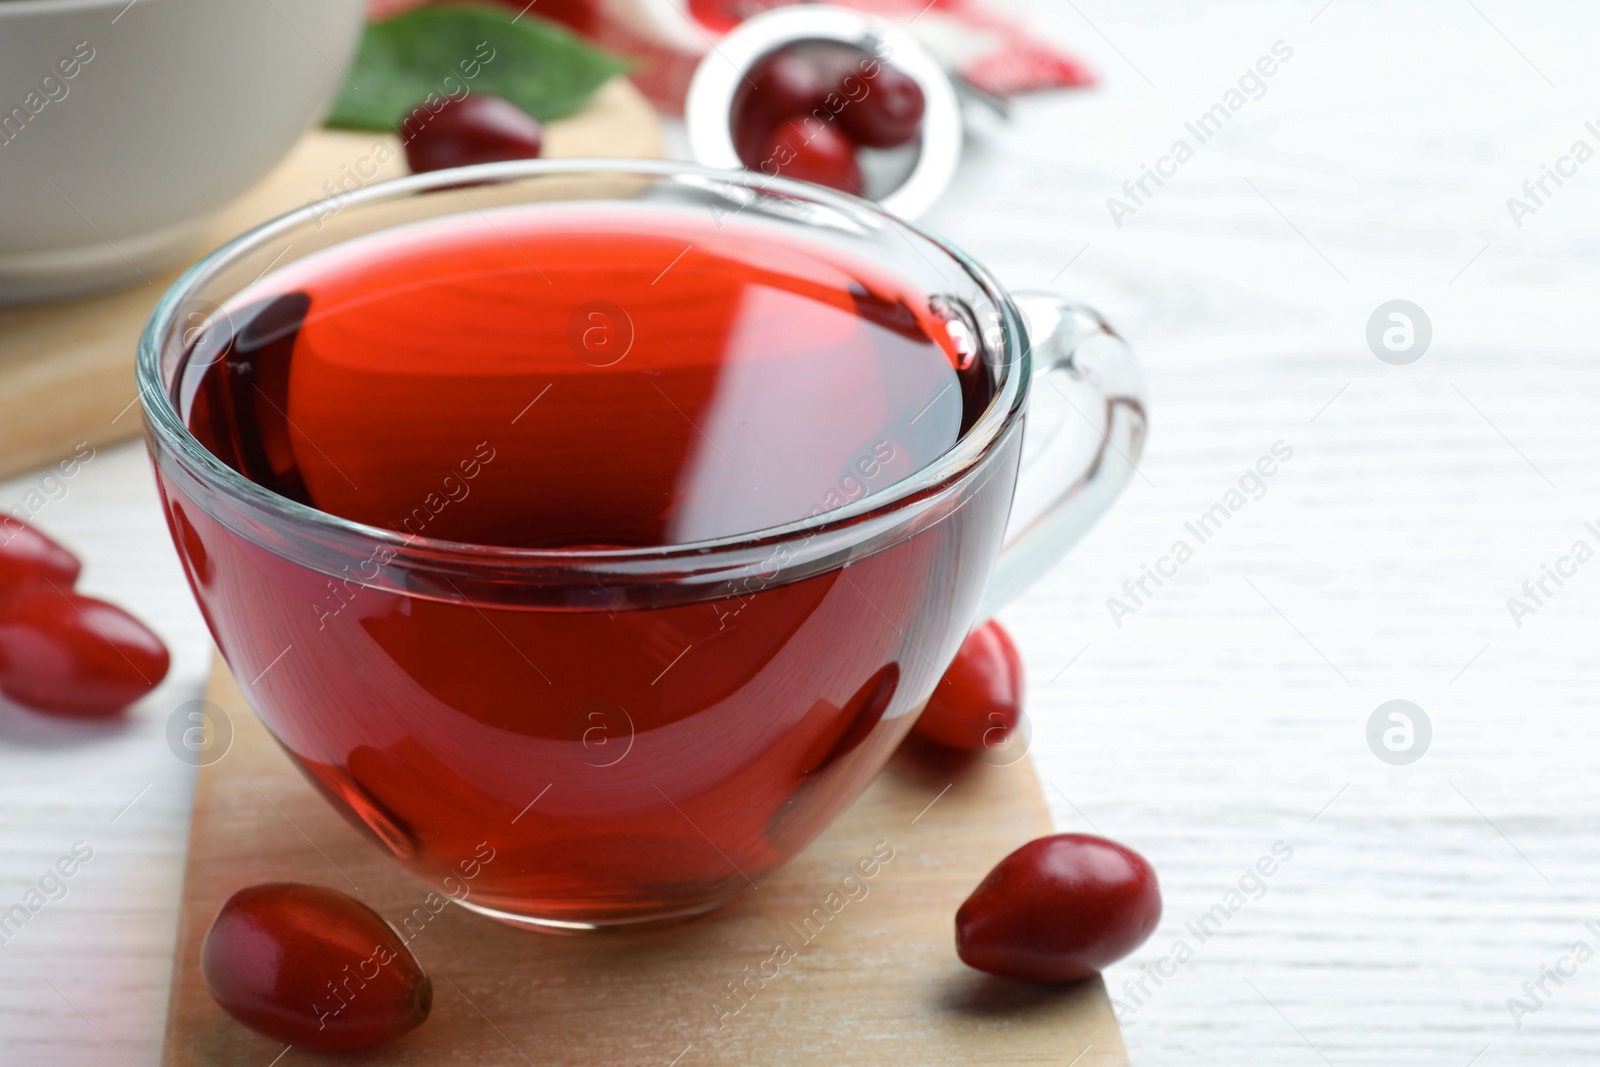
(123, 125)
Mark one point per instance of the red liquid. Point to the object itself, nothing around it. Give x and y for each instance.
(564, 378)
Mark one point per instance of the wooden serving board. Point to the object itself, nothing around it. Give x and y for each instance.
(878, 984)
(66, 368)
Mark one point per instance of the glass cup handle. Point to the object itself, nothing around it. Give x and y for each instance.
(1088, 378)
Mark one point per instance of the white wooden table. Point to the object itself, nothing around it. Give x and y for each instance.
(1228, 712)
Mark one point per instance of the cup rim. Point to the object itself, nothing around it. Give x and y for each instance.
(963, 456)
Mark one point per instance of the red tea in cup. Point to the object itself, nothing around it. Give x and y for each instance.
(462, 383)
(625, 536)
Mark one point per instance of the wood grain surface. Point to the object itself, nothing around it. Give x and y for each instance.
(873, 980)
(66, 367)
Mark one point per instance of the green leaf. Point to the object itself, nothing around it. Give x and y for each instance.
(450, 49)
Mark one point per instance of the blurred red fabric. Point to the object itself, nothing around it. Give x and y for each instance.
(667, 38)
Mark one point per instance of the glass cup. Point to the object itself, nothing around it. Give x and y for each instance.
(458, 700)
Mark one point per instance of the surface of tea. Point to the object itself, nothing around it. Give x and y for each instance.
(572, 378)
(613, 378)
